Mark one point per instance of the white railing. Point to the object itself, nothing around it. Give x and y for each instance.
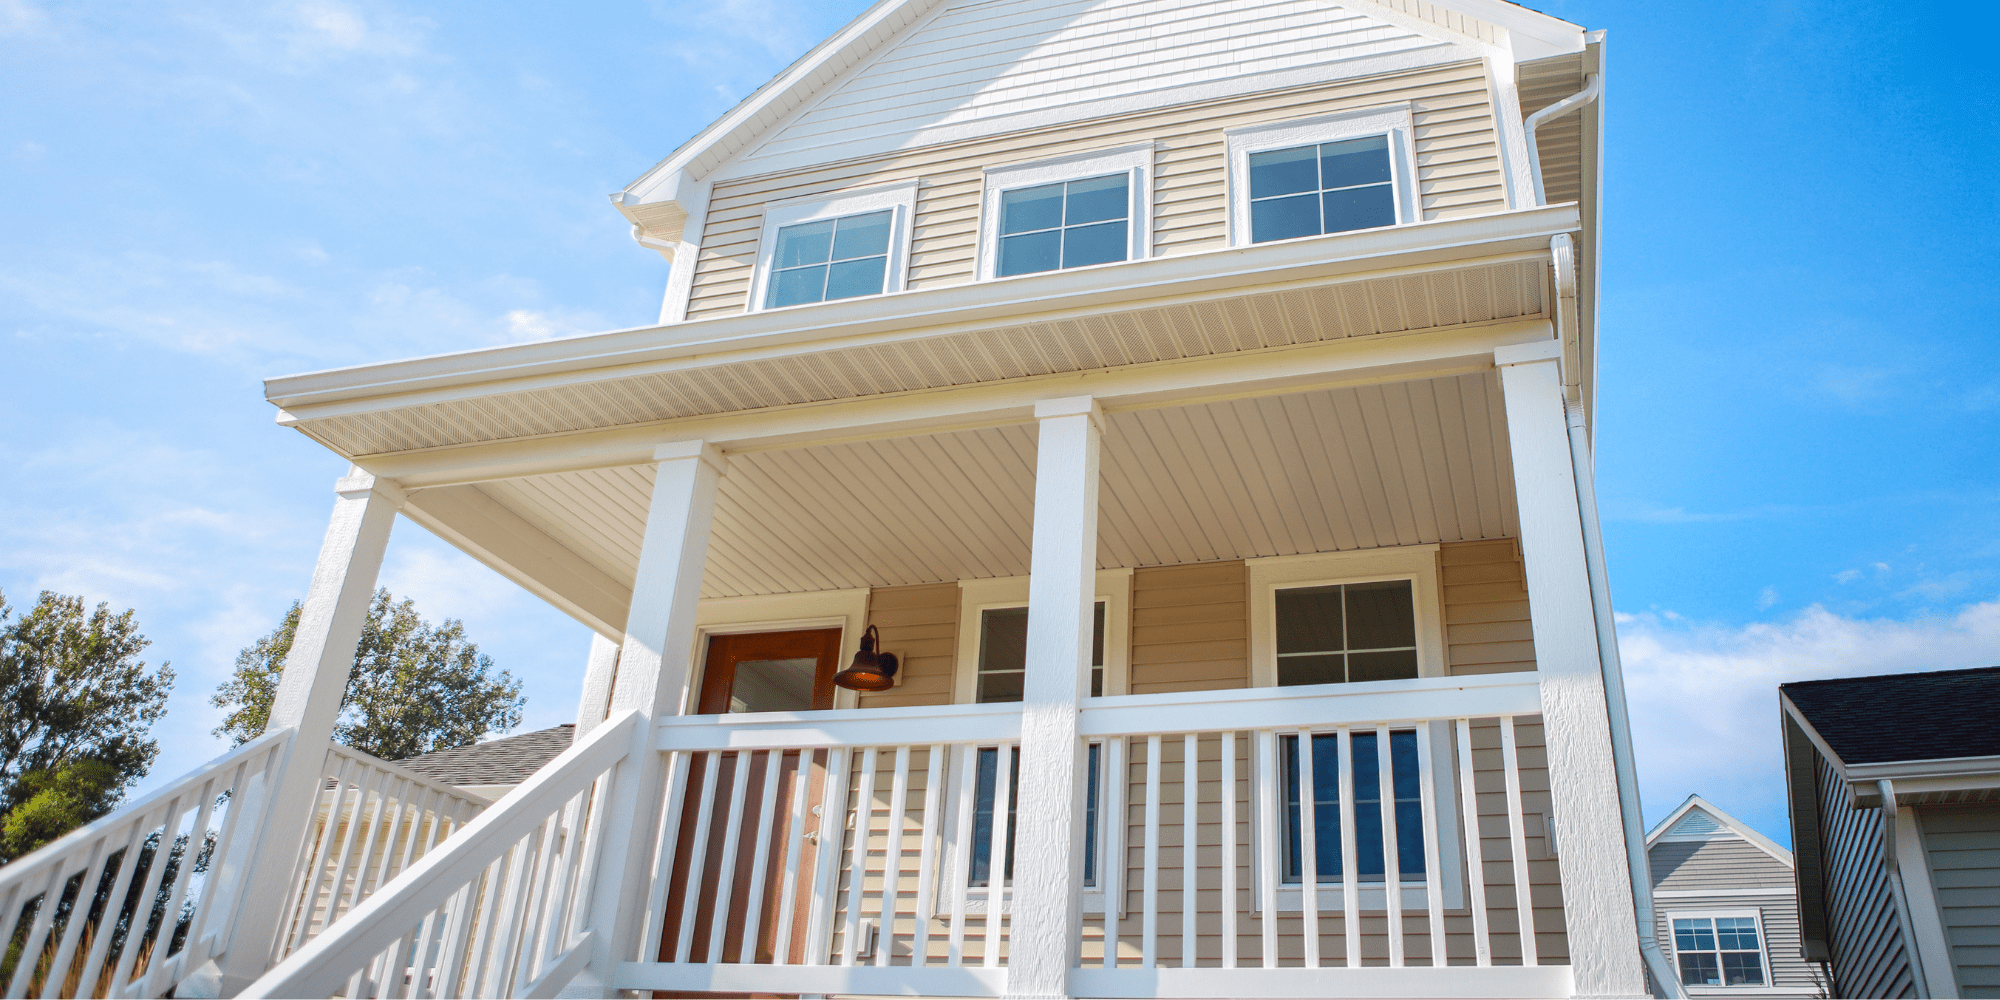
(494, 911)
(806, 854)
(128, 904)
(372, 820)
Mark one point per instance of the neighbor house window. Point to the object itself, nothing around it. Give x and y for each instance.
(843, 247)
(1063, 214)
(1346, 632)
(1003, 654)
(1402, 802)
(1328, 175)
(1719, 950)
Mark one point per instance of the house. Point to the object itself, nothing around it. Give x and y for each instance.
(492, 769)
(1725, 906)
(1079, 434)
(1894, 788)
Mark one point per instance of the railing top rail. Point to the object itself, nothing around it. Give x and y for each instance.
(1317, 705)
(998, 723)
(403, 772)
(22, 866)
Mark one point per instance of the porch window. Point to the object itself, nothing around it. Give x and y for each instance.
(1346, 632)
(1003, 654)
(1327, 187)
(1370, 804)
(830, 259)
(1719, 950)
(1066, 224)
(986, 792)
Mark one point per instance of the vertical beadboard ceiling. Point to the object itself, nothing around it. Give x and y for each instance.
(1331, 470)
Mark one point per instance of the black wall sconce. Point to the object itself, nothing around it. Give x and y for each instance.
(870, 671)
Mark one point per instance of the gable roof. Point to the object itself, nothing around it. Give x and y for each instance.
(506, 761)
(661, 199)
(1937, 715)
(1698, 817)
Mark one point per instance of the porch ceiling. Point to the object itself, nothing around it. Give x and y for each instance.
(1349, 468)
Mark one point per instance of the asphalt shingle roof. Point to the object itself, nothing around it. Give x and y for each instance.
(1897, 717)
(501, 762)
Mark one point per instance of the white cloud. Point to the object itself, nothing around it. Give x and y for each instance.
(1847, 576)
(1704, 698)
(1768, 597)
(21, 17)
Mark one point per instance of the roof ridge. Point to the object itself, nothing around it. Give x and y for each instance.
(1878, 677)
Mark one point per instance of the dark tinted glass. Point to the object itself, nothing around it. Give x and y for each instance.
(1409, 803)
(1354, 161)
(1284, 171)
(1398, 664)
(1309, 620)
(1380, 615)
(1284, 218)
(1030, 252)
(861, 236)
(1097, 199)
(1743, 969)
(1090, 819)
(795, 287)
(1367, 806)
(1326, 808)
(985, 792)
(1102, 243)
(1699, 970)
(1031, 208)
(850, 278)
(1360, 208)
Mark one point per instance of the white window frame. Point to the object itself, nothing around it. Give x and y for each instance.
(899, 199)
(1393, 121)
(1135, 161)
(1415, 563)
(1763, 947)
(1114, 588)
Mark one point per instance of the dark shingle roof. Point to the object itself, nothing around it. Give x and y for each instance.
(501, 762)
(1896, 717)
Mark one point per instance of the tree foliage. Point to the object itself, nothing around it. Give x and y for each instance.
(77, 707)
(414, 688)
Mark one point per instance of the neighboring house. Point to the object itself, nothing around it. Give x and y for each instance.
(489, 770)
(1726, 906)
(1895, 800)
(1194, 396)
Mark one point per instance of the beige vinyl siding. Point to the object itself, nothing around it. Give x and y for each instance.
(1964, 847)
(1190, 628)
(1486, 626)
(1692, 866)
(1457, 173)
(920, 625)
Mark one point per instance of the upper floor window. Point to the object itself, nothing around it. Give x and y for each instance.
(1719, 949)
(1067, 213)
(1003, 653)
(1327, 175)
(843, 247)
(1346, 617)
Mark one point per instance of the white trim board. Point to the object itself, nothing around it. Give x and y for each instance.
(1731, 823)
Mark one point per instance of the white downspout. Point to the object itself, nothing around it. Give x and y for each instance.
(1583, 469)
(1897, 890)
(1592, 86)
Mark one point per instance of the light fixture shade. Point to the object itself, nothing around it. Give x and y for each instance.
(870, 671)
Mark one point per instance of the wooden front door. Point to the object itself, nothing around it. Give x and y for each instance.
(750, 672)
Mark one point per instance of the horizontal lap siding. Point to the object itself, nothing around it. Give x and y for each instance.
(1865, 934)
(1789, 973)
(1689, 866)
(1964, 848)
(1457, 167)
(1190, 628)
(1486, 625)
(920, 625)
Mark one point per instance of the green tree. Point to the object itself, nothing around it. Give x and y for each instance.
(414, 689)
(77, 707)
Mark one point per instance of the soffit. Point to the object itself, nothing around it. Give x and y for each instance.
(1330, 470)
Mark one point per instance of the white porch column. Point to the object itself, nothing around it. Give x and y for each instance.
(1596, 881)
(1062, 591)
(600, 673)
(652, 677)
(308, 698)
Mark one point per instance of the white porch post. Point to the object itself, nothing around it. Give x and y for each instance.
(308, 699)
(1048, 864)
(600, 672)
(652, 677)
(1596, 881)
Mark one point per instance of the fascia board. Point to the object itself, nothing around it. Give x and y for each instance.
(1758, 840)
(1805, 725)
(929, 312)
(1536, 35)
(1956, 769)
(1673, 817)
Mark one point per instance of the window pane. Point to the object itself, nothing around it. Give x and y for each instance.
(1102, 243)
(1097, 635)
(1699, 970)
(862, 236)
(1326, 668)
(1000, 687)
(1284, 218)
(773, 685)
(1284, 171)
(1360, 208)
(1003, 653)
(1736, 933)
(1097, 199)
(1367, 806)
(795, 287)
(1326, 808)
(803, 244)
(985, 790)
(1742, 968)
(1032, 208)
(1408, 792)
(1395, 665)
(1030, 253)
(850, 278)
(1380, 615)
(1309, 620)
(1354, 161)
(1090, 818)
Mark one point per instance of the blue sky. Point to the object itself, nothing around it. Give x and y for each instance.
(1797, 457)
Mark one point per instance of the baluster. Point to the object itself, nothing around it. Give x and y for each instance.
(1111, 829)
(504, 945)
(996, 866)
(177, 895)
(1350, 863)
(1433, 866)
(1228, 870)
(732, 841)
(336, 889)
(535, 907)
(100, 946)
(1309, 844)
(788, 898)
(961, 852)
(1392, 861)
(170, 821)
(857, 868)
(1475, 865)
(312, 868)
(760, 859)
(655, 923)
(920, 946)
(1190, 846)
(1270, 792)
(892, 862)
(393, 832)
(31, 946)
(216, 864)
(697, 855)
(1149, 914)
(1524, 904)
(73, 930)
(827, 854)
(385, 782)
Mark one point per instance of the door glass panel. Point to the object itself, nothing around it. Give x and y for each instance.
(773, 685)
